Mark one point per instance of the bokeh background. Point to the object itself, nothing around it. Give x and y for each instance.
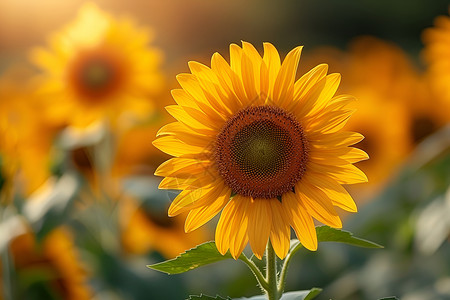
(81, 215)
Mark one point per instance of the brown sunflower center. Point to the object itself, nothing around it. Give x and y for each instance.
(96, 74)
(422, 126)
(261, 152)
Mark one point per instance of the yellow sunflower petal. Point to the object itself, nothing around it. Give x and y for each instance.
(173, 146)
(235, 75)
(337, 156)
(318, 204)
(259, 225)
(250, 79)
(318, 96)
(175, 167)
(335, 139)
(300, 220)
(201, 91)
(199, 216)
(184, 134)
(185, 199)
(193, 123)
(283, 89)
(272, 62)
(332, 121)
(201, 180)
(307, 81)
(224, 76)
(280, 235)
(239, 239)
(251, 70)
(179, 129)
(333, 190)
(174, 183)
(224, 226)
(189, 199)
(345, 174)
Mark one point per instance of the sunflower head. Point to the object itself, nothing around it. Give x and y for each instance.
(146, 229)
(262, 147)
(25, 139)
(98, 67)
(50, 270)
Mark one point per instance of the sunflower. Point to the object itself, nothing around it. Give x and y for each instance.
(437, 55)
(261, 147)
(145, 229)
(25, 139)
(98, 68)
(49, 270)
(386, 82)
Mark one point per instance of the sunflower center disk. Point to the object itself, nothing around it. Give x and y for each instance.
(261, 152)
(95, 75)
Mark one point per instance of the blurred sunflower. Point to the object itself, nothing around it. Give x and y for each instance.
(388, 86)
(143, 157)
(390, 73)
(48, 270)
(98, 68)
(145, 229)
(25, 139)
(249, 131)
(437, 55)
(146, 226)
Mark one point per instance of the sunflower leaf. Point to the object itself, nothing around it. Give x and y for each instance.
(297, 295)
(328, 234)
(206, 297)
(201, 255)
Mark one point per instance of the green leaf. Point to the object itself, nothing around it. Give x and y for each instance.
(313, 293)
(328, 234)
(389, 298)
(206, 297)
(201, 255)
(297, 295)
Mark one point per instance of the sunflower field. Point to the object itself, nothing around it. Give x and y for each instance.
(192, 149)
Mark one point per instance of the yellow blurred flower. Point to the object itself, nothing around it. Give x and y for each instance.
(437, 55)
(134, 154)
(248, 129)
(98, 67)
(394, 105)
(51, 267)
(145, 230)
(25, 139)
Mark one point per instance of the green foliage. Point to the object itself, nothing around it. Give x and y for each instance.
(206, 297)
(328, 234)
(201, 255)
(296, 295)
(313, 293)
(207, 253)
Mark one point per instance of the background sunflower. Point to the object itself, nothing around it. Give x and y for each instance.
(98, 68)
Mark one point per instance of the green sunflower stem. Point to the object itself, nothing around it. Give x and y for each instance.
(259, 276)
(284, 268)
(271, 273)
